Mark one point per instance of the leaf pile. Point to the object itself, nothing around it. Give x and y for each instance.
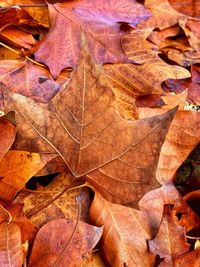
(96, 129)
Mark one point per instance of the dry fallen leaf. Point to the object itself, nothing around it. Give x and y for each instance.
(16, 168)
(101, 23)
(95, 138)
(8, 131)
(170, 241)
(66, 243)
(63, 207)
(124, 236)
(11, 252)
(24, 78)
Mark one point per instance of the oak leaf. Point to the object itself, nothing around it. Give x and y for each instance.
(101, 23)
(82, 124)
(65, 245)
(170, 241)
(11, 253)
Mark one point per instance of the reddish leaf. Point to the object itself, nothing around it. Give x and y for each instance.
(27, 228)
(30, 80)
(62, 246)
(170, 241)
(11, 253)
(100, 22)
(124, 236)
(189, 259)
(149, 101)
(187, 7)
(83, 126)
(8, 131)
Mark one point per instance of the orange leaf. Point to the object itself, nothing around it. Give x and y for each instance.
(16, 168)
(61, 248)
(83, 126)
(8, 131)
(170, 241)
(125, 234)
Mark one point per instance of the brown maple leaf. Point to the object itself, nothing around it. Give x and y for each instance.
(100, 21)
(82, 124)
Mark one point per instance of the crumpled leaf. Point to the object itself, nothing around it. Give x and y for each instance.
(124, 236)
(16, 168)
(24, 78)
(64, 207)
(83, 116)
(101, 23)
(63, 246)
(8, 131)
(170, 241)
(11, 253)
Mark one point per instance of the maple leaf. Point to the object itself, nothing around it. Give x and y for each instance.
(101, 23)
(83, 126)
(11, 253)
(8, 131)
(64, 248)
(170, 241)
